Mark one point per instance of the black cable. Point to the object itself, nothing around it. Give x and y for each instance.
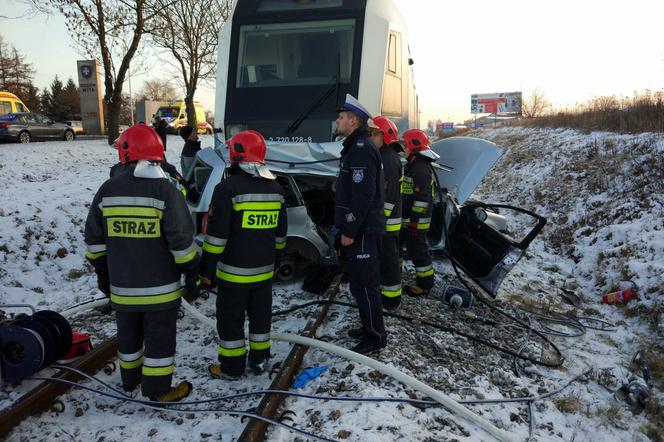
(440, 327)
(166, 406)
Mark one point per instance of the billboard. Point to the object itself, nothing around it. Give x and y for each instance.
(495, 103)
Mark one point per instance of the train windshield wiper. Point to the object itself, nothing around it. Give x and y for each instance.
(331, 87)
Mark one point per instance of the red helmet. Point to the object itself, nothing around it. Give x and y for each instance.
(247, 146)
(139, 142)
(389, 129)
(416, 141)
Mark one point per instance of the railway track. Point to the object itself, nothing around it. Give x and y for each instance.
(45, 394)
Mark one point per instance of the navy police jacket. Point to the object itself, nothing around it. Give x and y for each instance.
(360, 190)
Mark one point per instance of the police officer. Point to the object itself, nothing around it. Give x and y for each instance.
(161, 127)
(246, 228)
(417, 190)
(360, 219)
(385, 136)
(140, 240)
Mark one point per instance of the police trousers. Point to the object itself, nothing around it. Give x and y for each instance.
(364, 281)
(390, 270)
(233, 303)
(146, 349)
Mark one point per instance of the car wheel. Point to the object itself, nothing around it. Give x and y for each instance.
(69, 135)
(24, 137)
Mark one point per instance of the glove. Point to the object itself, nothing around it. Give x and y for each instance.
(103, 282)
(192, 286)
(307, 375)
(206, 284)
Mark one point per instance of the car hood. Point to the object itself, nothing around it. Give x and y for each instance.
(466, 161)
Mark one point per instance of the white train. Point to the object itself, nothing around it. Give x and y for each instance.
(284, 66)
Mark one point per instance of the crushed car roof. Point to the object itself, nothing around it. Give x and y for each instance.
(464, 161)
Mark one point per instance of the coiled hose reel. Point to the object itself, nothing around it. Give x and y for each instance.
(30, 343)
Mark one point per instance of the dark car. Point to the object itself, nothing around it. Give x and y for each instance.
(24, 127)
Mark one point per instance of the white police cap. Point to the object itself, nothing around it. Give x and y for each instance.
(354, 106)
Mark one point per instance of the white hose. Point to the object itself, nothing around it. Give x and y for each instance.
(87, 306)
(436, 395)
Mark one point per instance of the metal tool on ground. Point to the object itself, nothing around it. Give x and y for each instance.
(620, 297)
(457, 297)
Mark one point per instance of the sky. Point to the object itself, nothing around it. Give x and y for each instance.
(570, 50)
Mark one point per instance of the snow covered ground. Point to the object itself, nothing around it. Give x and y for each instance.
(602, 194)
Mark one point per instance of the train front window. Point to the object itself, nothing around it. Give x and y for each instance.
(295, 54)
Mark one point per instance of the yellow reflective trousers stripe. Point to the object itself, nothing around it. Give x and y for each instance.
(241, 279)
(425, 273)
(391, 293)
(259, 345)
(128, 365)
(145, 300)
(158, 371)
(232, 352)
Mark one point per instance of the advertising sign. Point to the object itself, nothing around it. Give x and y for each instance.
(89, 83)
(495, 103)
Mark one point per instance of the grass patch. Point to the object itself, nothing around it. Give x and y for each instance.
(567, 404)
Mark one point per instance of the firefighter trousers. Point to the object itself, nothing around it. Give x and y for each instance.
(146, 349)
(418, 252)
(364, 282)
(233, 302)
(390, 270)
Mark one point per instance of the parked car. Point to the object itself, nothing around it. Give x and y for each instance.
(28, 126)
(474, 234)
(77, 125)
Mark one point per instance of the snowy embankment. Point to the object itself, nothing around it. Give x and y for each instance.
(47, 188)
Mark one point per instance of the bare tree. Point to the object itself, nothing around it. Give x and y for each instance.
(158, 90)
(535, 105)
(109, 31)
(188, 31)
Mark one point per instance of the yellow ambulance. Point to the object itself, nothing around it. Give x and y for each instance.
(11, 104)
(175, 114)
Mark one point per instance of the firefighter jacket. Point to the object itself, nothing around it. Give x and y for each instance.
(417, 191)
(360, 193)
(142, 230)
(393, 176)
(246, 227)
(165, 166)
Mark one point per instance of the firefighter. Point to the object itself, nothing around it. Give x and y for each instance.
(385, 136)
(360, 220)
(140, 239)
(245, 231)
(417, 191)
